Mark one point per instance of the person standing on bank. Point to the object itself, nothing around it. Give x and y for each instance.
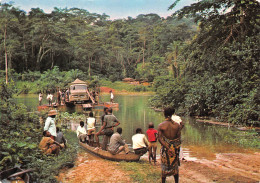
(178, 120)
(110, 121)
(140, 142)
(152, 138)
(169, 133)
(50, 124)
(111, 97)
(40, 98)
(49, 98)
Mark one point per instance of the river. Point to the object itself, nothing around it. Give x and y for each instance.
(199, 140)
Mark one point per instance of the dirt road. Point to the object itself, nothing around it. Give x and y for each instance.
(226, 167)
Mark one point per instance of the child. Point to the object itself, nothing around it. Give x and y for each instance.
(152, 138)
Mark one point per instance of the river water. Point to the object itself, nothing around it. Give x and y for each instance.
(199, 140)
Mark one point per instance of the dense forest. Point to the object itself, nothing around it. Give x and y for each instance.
(76, 39)
(203, 60)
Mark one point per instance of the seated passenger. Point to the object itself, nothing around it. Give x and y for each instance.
(60, 138)
(140, 142)
(117, 144)
(91, 122)
(81, 132)
(48, 145)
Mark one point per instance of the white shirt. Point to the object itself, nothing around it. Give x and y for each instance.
(112, 96)
(81, 130)
(91, 123)
(40, 96)
(49, 97)
(139, 141)
(50, 126)
(176, 118)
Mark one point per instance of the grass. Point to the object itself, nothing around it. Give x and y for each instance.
(248, 139)
(141, 171)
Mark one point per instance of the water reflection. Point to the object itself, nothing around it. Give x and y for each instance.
(200, 140)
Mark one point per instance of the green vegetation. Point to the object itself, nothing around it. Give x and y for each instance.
(20, 135)
(48, 167)
(73, 39)
(206, 68)
(141, 171)
(219, 69)
(54, 78)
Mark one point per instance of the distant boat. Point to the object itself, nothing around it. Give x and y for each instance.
(110, 104)
(107, 155)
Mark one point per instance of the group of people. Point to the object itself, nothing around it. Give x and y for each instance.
(62, 96)
(53, 140)
(87, 135)
(168, 134)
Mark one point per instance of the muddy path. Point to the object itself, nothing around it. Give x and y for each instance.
(89, 168)
(226, 167)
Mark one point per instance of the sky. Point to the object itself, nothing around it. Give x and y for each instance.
(116, 9)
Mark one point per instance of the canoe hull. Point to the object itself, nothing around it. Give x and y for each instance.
(6, 173)
(107, 155)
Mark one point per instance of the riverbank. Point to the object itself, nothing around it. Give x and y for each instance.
(226, 167)
(105, 91)
(226, 124)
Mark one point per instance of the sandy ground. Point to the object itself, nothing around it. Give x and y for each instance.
(89, 168)
(226, 167)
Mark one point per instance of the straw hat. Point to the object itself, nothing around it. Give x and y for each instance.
(52, 113)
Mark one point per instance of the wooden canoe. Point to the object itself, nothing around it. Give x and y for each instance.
(107, 155)
(13, 173)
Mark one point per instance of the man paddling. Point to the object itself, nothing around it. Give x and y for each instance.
(169, 133)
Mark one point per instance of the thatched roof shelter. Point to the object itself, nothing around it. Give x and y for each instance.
(78, 81)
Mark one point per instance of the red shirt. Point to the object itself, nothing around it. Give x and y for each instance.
(151, 133)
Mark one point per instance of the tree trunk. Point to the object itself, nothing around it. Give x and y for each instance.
(52, 60)
(143, 53)
(6, 68)
(89, 64)
(25, 58)
(176, 53)
(9, 61)
(38, 58)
